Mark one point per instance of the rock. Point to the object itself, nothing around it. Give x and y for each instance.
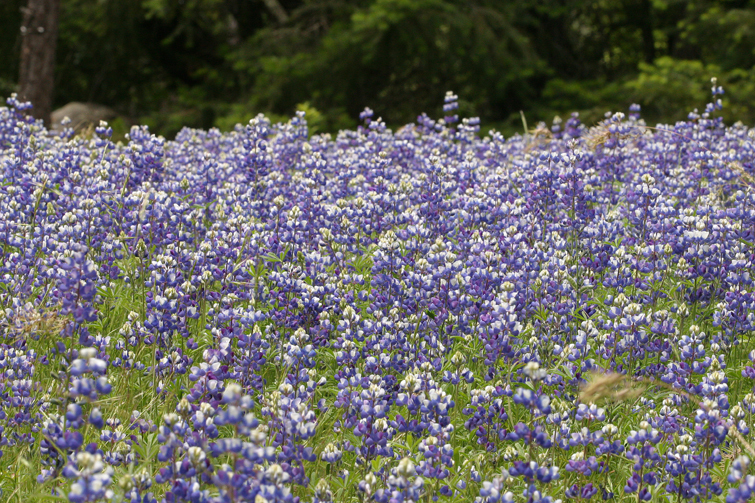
(82, 115)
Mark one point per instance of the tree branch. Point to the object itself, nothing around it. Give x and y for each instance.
(277, 10)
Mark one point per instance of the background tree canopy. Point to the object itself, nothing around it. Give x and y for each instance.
(204, 63)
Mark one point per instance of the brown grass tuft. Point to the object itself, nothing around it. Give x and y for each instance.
(33, 323)
(609, 386)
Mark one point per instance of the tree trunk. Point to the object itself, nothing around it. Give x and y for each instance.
(39, 36)
(646, 26)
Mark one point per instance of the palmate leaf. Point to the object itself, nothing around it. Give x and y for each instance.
(362, 264)
(273, 258)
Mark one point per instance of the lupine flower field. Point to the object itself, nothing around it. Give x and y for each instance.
(426, 314)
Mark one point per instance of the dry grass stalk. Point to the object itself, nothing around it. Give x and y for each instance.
(538, 135)
(609, 386)
(618, 387)
(600, 134)
(743, 175)
(29, 322)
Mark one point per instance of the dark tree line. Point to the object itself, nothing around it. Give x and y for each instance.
(205, 63)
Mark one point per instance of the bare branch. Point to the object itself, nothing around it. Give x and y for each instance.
(277, 10)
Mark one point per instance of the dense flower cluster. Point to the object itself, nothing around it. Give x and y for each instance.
(392, 316)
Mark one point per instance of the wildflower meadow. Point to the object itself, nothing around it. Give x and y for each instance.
(419, 315)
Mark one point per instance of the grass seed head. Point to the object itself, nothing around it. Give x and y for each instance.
(608, 386)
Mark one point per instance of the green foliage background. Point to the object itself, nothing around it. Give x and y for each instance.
(204, 63)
